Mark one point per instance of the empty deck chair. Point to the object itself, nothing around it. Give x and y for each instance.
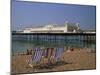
(48, 56)
(52, 55)
(58, 54)
(36, 58)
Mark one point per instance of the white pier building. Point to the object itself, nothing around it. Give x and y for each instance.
(53, 28)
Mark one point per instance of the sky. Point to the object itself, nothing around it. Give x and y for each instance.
(33, 14)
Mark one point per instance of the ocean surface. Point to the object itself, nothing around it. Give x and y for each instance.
(20, 43)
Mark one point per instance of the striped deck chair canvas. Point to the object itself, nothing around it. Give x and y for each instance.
(37, 55)
(58, 53)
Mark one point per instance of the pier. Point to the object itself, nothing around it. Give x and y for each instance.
(56, 38)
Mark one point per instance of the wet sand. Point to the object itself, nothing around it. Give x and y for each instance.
(73, 60)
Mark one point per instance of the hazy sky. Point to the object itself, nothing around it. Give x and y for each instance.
(30, 14)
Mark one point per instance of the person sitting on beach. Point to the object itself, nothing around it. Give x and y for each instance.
(30, 52)
(27, 53)
(71, 49)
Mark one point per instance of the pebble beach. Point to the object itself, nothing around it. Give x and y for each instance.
(79, 59)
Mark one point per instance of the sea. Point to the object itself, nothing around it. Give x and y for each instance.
(20, 43)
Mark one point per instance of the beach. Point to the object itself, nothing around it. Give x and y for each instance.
(79, 59)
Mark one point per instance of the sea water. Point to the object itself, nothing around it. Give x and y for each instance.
(20, 43)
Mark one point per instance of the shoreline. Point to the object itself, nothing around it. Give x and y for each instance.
(78, 49)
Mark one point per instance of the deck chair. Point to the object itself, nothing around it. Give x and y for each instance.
(58, 54)
(52, 55)
(48, 56)
(36, 57)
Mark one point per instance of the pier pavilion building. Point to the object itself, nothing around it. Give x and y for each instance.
(53, 28)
